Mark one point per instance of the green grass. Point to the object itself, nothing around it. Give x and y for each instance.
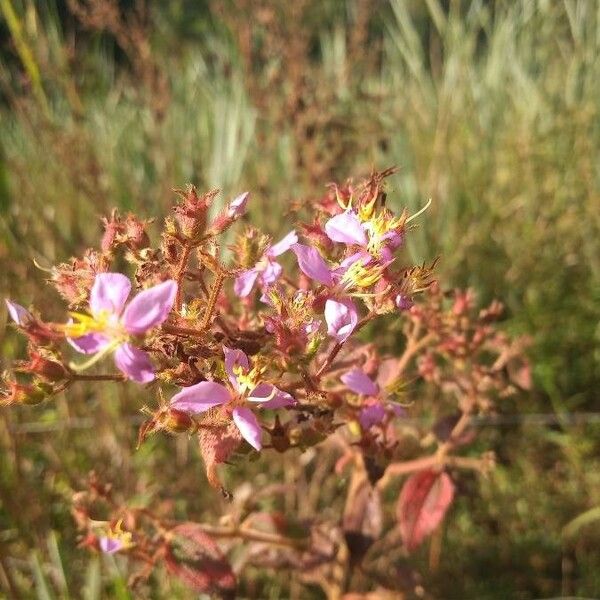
(490, 109)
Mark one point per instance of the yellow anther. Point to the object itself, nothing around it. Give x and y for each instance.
(341, 202)
(365, 212)
(247, 381)
(359, 275)
(118, 534)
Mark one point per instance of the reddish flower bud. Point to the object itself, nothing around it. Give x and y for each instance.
(44, 367)
(177, 421)
(191, 213)
(27, 394)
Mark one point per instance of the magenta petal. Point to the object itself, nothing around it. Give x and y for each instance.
(341, 317)
(270, 396)
(109, 293)
(235, 358)
(110, 545)
(245, 282)
(360, 383)
(371, 415)
(89, 343)
(200, 397)
(284, 244)
(19, 314)
(134, 363)
(248, 425)
(346, 228)
(237, 207)
(312, 264)
(150, 307)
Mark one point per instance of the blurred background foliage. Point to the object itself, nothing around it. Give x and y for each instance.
(489, 108)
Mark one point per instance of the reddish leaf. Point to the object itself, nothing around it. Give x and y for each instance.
(423, 502)
(195, 558)
(217, 443)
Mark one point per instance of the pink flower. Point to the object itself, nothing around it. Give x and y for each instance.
(374, 409)
(112, 323)
(341, 314)
(243, 388)
(116, 539)
(267, 270)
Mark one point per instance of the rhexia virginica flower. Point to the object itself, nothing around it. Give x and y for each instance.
(244, 387)
(116, 540)
(341, 314)
(112, 324)
(374, 408)
(267, 270)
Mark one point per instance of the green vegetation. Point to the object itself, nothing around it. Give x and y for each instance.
(492, 109)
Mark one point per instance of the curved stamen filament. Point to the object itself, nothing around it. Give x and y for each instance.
(78, 368)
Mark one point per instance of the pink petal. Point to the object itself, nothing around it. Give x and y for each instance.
(271, 273)
(134, 363)
(394, 239)
(109, 293)
(311, 263)
(200, 397)
(150, 307)
(89, 343)
(19, 314)
(371, 415)
(248, 425)
(284, 244)
(270, 396)
(360, 383)
(363, 256)
(237, 207)
(235, 358)
(110, 545)
(245, 282)
(341, 317)
(346, 228)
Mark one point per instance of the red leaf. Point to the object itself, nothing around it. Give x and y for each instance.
(195, 558)
(423, 502)
(217, 443)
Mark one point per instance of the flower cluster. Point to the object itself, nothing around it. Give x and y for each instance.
(268, 350)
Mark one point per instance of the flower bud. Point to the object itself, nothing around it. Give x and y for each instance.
(177, 421)
(403, 302)
(44, 367)
(191, 213)
(27, 394)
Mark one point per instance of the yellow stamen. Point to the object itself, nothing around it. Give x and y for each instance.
(361, 276)
(247, 381)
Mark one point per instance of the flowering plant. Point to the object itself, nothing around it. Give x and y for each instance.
(265, 350)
